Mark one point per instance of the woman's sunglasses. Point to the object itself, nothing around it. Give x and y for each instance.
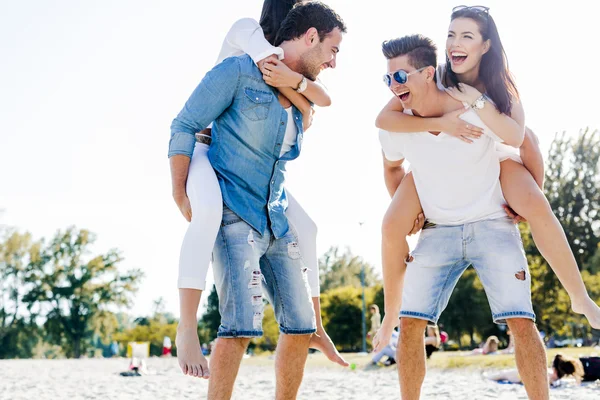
(400, 76)
(480, 9)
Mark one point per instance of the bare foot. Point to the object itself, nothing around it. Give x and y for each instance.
(190, 357)
(321, 341)
(588, 308)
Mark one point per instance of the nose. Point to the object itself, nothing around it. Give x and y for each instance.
(332, 63)
(395, 86)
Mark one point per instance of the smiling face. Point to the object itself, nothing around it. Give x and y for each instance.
(413, 91)
(319, 55)
(465, 45)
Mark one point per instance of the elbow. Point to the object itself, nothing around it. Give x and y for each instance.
(326, 102)
(379, 121)
(516, 141)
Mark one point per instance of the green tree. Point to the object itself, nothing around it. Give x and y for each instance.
(18, 332)
(342, 316)
(573, 189)
(76, 291)
(211, 319)
(344, 269)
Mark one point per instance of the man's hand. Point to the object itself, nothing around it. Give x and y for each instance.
(516, 218)
(183, 202)
(384, 334)
(419, 223)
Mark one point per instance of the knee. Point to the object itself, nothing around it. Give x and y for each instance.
(535, 204)
(396, 226)
(412, 327)
(521, 327)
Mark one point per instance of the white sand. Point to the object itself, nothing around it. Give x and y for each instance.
(99, 379)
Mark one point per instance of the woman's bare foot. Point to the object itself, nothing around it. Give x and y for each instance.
(321, 341)
(189, 354)
(589, 308)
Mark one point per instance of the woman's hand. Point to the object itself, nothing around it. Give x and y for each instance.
(465, 93)
(277, 74)
(453, 125)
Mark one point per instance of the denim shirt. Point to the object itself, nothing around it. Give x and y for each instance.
(249, 125)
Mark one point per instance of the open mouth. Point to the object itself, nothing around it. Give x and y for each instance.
(404, 95)
(458, 57)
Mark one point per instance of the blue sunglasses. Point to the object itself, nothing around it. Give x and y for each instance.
(400, 76)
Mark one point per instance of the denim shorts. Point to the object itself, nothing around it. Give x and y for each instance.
(443, 253)
(246, 265)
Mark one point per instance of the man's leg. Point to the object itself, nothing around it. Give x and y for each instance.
(531, 357)
(411, 357)
(498, 257)
(238, 280)
(286, 285)
(292, 351)
(436, 266)
(224, 366)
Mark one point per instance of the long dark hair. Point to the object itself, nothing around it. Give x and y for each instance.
(566, 366)
(493, 71)
(273, 13)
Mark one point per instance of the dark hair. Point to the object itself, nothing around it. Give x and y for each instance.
(306, 15)
(565, 366)
(421, 50)
(273, 13)
(493, 72)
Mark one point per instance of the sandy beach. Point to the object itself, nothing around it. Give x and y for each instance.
(99, 379)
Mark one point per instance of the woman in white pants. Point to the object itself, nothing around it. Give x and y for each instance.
(203, 205)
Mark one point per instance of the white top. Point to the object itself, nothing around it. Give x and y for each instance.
(247, 37)
(504, 151)
(291, 133)
(457, 182)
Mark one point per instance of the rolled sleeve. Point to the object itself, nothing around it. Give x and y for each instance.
(210, 99)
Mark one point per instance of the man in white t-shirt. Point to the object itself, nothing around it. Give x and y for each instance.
(459, 189)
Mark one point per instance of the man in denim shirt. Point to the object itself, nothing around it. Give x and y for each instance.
(253, 137)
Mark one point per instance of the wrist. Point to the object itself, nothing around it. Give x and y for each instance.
(296, 80)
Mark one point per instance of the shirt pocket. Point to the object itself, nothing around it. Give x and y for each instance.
(256, 104)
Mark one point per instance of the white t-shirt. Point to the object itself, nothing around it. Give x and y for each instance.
(247, 37)
(291, 133)
(457, 182)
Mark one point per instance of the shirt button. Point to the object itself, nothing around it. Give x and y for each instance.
(282, 123)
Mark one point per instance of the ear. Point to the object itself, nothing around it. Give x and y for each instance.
(311, 37)
(430, 73)
(487, 45)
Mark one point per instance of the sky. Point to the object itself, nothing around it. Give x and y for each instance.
(88, 91)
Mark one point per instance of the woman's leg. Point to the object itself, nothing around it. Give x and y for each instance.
(525, 197)
(196, 251)
(398, 222)
(307, 240)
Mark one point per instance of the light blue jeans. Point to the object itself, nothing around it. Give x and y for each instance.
(443, 253)
(246, 263)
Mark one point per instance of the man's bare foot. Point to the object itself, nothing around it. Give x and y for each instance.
(189, 354)
(589, 308)
(321, 341)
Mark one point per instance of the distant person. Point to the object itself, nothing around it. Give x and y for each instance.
(584, 369)
(375, 320)
(389, 350)
(433, 340)
(490, 346)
